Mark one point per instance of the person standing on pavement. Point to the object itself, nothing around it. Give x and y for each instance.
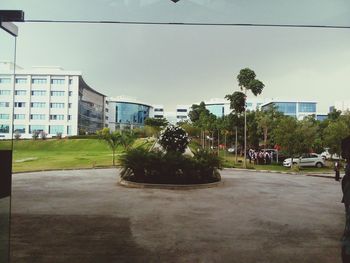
(337, 170)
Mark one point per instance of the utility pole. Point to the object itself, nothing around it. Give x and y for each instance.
(225, 149)
(218, 142)
(236, 144)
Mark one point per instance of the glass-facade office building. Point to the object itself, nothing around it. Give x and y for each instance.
(295, 109)
(217, 109)
(127, 114)
(91, 109)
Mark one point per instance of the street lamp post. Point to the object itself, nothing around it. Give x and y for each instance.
(245, 130)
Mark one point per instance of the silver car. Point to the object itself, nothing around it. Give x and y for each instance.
(306, 160)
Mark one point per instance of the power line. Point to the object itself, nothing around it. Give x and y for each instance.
(185, 23)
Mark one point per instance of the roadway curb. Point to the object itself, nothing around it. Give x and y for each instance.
(67, 169)
(325, 175)
(130, 184)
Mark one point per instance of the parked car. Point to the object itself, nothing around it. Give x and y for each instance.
(306, 160)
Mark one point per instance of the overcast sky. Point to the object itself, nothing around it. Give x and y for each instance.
(172, 64)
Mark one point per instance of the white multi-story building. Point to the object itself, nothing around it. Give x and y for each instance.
(49, 100)
(182, 112)
(157, 111)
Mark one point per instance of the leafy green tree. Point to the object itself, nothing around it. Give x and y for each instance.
(207, 123)
(190, 128)
(307, 134)
(267, 121)
(156, 122)
(246, 81)
(264, 123)
(196, 111)
(295, 137)
(235, 121)
(334, 114)
(285, 136)
(153, 126)
(126, 140)
(346, 118)
(334, 133)
(111, 138)
(237, 101)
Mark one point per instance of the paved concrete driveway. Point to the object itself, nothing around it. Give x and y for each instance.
(84, 216)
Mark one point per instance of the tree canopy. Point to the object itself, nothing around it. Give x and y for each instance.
(156, 122)
(197, 110)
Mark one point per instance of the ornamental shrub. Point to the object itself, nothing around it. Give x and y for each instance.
(174, 139)
(140, 165)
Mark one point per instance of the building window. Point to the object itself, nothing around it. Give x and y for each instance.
(57, 93)
(20, 104)
(70, 93)
(69, 105)
(38, 128)
(21, 81)
(57, 117)
(57, 81)
(4, 128)
(288, 108)
(38, 104)
(249, 104)
(38, 92)
(181, 110)
(70, 81)
(5, 80)
(216, 109)
(19, 116)
(57, 105)
(159, 110)
(158, 116)
(39, 81)
(19, 128)
(54, 129)
(5, 92)
(4, 116)
(37, 116)
(20, 92)
(307, 107)
(69, 130)
(69, 117)
(4, 104)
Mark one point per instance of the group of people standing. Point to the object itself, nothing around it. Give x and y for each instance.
(259, 156)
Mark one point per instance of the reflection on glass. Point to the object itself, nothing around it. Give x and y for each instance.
(6, 122)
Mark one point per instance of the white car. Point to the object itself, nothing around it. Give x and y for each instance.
(308, 159)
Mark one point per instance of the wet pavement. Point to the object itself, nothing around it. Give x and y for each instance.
(85, 216)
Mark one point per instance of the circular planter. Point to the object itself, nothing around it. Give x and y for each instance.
(169, 186)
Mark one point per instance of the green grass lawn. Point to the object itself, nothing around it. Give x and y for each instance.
(53, 154)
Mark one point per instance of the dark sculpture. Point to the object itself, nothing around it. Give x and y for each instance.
(346, 200)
